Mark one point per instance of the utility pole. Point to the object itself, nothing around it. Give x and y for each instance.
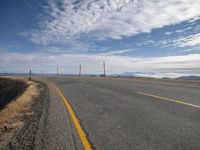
(57, 71)
(80, 70)
(42, 73)
(30, 74)
(104, 68)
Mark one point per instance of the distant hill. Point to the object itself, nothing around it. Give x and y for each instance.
(134, 74)
(166, 78)
(128, 74)
(189, 78)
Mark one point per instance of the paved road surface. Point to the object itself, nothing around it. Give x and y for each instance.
(126, 114)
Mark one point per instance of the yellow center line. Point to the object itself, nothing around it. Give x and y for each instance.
(169, 99)
(79, 129)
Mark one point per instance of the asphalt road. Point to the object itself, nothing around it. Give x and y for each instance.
(129, 114)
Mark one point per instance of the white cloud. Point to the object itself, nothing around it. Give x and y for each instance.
(117, 52)
(179, 31)
(191, 42)
(109, 19)
(71, 47)
(168, 33)
(188, 41)
(68, 63)
(163, 74)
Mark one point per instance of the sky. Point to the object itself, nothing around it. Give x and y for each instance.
(156, 38)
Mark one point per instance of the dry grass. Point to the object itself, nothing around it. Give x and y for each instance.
(11, 114)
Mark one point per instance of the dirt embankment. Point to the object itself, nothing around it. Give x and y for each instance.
(20, 112)
(10, 89)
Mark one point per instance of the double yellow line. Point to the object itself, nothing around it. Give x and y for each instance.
(79, 129)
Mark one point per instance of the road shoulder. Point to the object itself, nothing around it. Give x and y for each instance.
(56, 128)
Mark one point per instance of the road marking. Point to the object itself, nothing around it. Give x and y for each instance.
(79, 129)
(169, 99)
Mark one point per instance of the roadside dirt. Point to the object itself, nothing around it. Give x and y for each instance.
(20, 118)
(10, 89)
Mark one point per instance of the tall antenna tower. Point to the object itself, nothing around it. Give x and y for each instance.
(57, 71)
(80, 70)
(30, 73)
(104, 68)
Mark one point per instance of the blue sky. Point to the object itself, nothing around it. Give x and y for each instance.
(144, 36)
